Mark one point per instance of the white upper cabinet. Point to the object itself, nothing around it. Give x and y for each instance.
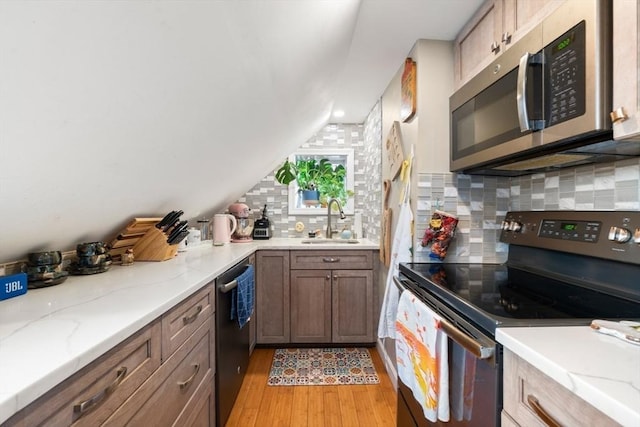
(626, 92)
(493, 29)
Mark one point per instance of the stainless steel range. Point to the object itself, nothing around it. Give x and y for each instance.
(563, 268)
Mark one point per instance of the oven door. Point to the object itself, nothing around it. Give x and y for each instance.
(475, 372)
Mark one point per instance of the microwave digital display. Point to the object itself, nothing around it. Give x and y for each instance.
(565, 42)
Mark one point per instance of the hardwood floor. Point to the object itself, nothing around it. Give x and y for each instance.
(261, 405)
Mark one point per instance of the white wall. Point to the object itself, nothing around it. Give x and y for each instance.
(428, 131)
(116, 109)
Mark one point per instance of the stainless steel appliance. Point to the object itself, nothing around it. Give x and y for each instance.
(232, 345)
(544, 103)
(558, 272)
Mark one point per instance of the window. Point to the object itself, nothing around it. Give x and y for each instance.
(328, 186)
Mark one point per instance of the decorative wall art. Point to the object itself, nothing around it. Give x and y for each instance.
(408, 91)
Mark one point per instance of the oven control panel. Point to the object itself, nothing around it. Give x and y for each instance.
(604, 234)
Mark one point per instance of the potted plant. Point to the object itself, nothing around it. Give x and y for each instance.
(332, 185)
(317, 179)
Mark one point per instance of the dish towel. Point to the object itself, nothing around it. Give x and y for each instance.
(242, 297)
(421, 356)
(463, 372)
(401, 251)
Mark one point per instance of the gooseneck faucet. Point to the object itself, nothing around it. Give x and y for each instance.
(331, 201)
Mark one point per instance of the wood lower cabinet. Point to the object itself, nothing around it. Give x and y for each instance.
(311, 306)
(530, 396)
(161, 376)
(352, 306)
(332, 305)
(626, 70)
(161, 400)
(272, 297)
(315, 296)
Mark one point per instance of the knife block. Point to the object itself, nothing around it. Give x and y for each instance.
(153, 246)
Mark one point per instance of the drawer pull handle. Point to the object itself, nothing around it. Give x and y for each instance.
(188, 381)
(331, 259)
(83, 407)
(541, 413)
(189, 319)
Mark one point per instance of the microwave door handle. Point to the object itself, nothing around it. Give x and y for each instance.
(521, 95)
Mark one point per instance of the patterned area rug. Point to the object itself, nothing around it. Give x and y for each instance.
(322, 366)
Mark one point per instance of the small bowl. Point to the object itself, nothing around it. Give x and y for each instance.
(45, 258)
(91, 249)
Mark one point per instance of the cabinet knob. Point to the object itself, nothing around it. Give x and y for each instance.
(495, 47)
(618, 115)
(328, 277)
(506, 37)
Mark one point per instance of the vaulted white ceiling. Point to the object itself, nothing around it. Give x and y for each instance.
(110, 110)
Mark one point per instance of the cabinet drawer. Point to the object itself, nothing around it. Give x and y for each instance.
(181, 321)
(522, 381)
(200, 411)
(162, 398)
(92, 394)
(341, 259)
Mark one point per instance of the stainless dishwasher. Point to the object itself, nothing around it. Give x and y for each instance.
(232, 344)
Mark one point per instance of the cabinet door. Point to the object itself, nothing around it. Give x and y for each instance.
(272, 297)
(478, 42)
(519, 16)
(352, 306)
(626, 69)
(310, 306)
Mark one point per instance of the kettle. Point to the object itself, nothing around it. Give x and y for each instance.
(224, 225)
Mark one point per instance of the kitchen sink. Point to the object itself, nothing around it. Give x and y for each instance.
(316, 241)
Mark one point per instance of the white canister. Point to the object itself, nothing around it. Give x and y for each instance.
(194, 237)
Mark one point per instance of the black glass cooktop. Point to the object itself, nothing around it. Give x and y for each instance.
(498, 295)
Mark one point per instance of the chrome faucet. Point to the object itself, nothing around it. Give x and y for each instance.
(331, 201)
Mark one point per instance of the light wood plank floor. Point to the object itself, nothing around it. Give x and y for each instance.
(261, 405)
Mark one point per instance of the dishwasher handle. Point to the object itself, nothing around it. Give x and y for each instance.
(472, 345)
(226, 287)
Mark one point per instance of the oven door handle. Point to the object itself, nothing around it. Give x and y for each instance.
(472, 345)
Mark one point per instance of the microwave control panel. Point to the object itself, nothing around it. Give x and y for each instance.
(565, 76)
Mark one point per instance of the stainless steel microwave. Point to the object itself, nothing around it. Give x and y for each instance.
(544, 103)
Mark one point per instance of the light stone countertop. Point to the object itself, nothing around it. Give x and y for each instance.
(50, 333)
(601, 369)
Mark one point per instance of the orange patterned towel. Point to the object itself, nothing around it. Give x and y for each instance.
(421, 356)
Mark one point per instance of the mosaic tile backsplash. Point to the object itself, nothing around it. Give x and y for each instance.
(480, 202)
(366, 143)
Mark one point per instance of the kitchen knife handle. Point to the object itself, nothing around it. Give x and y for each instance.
(82, 407)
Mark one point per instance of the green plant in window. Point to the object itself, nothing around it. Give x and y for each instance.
(313, 174)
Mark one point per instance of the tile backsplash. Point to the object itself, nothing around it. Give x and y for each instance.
(366, 143)
(481, 202)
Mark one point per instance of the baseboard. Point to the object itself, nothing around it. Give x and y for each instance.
(390, 365)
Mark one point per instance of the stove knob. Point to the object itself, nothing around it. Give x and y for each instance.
(619, 234)
(515, 226)
(636, 236)
(505, 225)
(513, 307)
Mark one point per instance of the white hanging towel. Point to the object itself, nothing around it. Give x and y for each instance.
(401, 251)
(422, 356)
